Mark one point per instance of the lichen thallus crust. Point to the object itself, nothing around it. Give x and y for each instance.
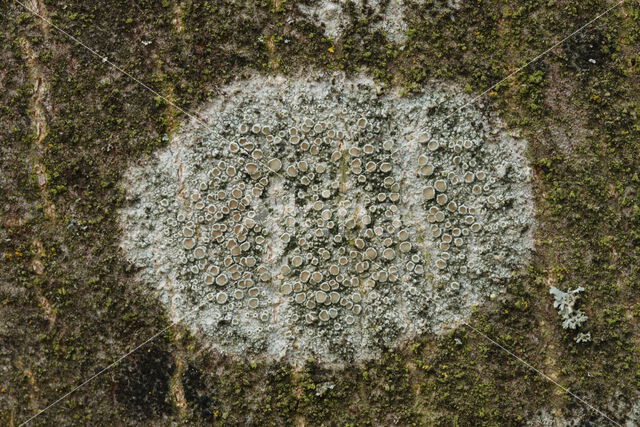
(353, 221)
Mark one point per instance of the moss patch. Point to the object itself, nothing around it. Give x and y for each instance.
(99, 120)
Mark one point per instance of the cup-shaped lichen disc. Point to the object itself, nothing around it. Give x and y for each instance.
(316, 218)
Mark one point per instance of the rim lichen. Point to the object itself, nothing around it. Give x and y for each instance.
(301, 222)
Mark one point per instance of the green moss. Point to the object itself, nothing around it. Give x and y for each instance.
(581, 120)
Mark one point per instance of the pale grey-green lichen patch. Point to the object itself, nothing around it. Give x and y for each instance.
(302, 222)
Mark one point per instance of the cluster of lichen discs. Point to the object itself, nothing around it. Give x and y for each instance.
(331, 225)
(334, 232)
(318, 220)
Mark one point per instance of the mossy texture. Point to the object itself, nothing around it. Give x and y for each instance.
(70, 304)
